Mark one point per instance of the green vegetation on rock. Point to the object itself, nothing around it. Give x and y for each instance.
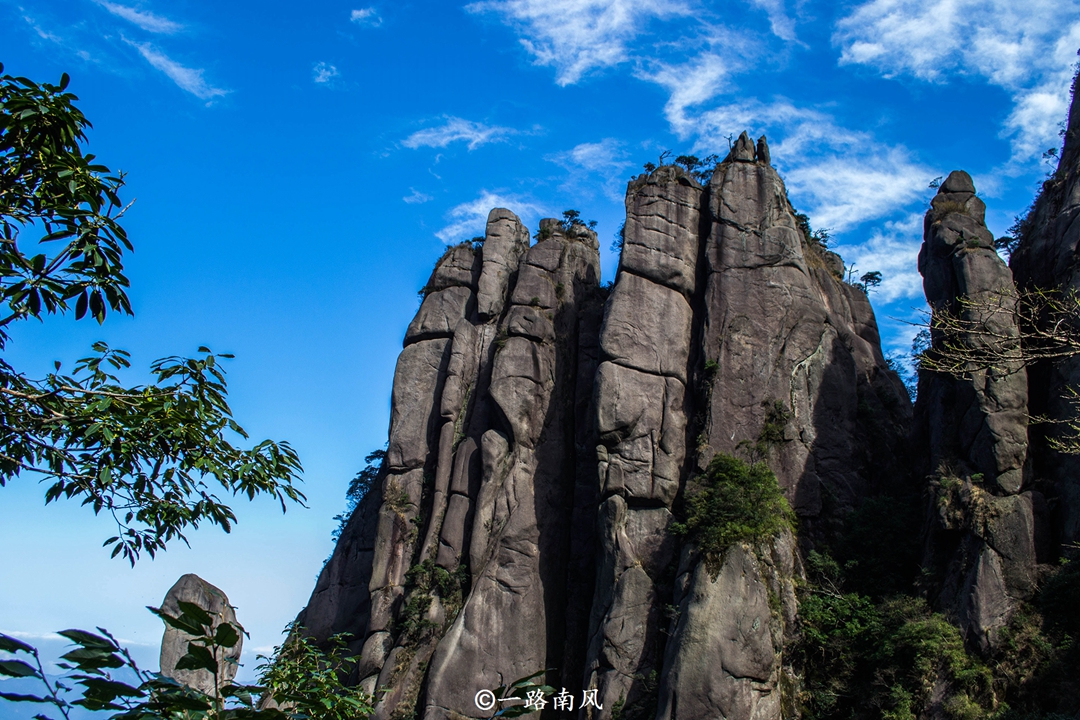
(734, 501)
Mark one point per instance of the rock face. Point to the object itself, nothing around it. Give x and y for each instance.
(174, 645)
(773, 328)
(541, 440)
(457, 572)
(1046, 259)
(981, 537)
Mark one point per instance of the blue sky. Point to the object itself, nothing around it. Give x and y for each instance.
(298, 167)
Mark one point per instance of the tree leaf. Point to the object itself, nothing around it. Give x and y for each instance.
(226, 635)
(88, 639)
(10, 644)
(196, 613)
(197, 658)
(17, 668)
(15, 697)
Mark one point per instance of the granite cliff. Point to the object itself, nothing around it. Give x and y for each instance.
(547, 433)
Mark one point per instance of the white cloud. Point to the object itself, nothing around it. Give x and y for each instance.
(838, 176)
(894, 252)
(146, 20)
(470, 219)
(189, 79)
(576, 36)
(1026, 48)
(323, 73)
(850, 187)
(781, 24)
(366, 16)
(605, 160)
(455, 129)
(42, 32)
(689, 85)
(416, 197)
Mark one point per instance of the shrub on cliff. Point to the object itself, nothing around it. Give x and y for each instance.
(734, 501)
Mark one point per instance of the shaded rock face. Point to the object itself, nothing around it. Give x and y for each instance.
(541, 440)
(174, 644)
(981, 534)
(1047, 259)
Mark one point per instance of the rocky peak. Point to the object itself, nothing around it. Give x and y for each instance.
(744, 150)
(541, 440)
(974, 426)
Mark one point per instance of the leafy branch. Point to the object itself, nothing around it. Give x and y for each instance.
(148, 455)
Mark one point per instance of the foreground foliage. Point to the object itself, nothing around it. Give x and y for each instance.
(304, 682)
(149, 455)
(889, 656)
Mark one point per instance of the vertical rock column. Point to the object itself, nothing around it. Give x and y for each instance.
(777, 327)
(641, 391)
(762, 317)
(982, 538)
(514, 619)
(417, 434)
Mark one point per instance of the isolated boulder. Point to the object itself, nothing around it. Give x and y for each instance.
(174, 645)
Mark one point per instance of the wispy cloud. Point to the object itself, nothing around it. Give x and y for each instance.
(42, 32)
(366, 16)
(689, 85)
(893, 251)
(415, 197)
(856, 184)
(577, 36)
(605, 161)
(144, 19)
(323, 73)
(470, 218)
(841, 177)
(780, 22)
(456, 129)
(188, 79)
(1027, 49)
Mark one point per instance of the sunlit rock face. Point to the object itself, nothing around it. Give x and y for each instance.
(543, 431)
(193, 589)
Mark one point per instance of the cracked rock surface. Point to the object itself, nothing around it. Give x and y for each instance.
(543, 431)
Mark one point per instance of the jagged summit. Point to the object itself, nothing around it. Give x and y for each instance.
(543, 432)
(550, 437)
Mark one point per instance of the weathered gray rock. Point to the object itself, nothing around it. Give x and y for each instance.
(505, 242)
(976, 424)
(540, 440)
(421, 368)
(642, 423)
(721, 661)
(763, 155)
(440, 314)
(743, 151)
(662, 233)
(459, 266)
(174, 644)
(524, 503)
(647, 327)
